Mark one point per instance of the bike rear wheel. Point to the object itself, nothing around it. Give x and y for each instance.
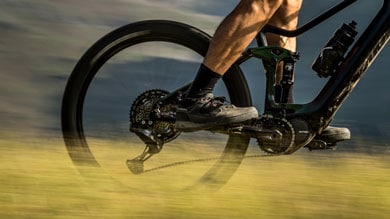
(127, 62)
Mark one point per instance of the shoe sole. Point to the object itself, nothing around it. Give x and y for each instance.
(184, 124)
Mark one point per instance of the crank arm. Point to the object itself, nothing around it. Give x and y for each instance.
(264, 135)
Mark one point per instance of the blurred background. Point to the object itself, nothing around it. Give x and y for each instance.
(41, 41)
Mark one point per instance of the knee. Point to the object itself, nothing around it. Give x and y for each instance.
(292, 5)
(266, 5)
(260, 6)
(287, 14)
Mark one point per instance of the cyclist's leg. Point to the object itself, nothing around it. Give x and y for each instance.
(237, 30)
(286, 17)
(232, 36)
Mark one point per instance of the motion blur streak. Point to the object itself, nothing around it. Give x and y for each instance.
(42, 40)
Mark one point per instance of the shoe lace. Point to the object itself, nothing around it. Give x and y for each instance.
(216, 102)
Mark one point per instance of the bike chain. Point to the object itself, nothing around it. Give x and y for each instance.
(201, 160)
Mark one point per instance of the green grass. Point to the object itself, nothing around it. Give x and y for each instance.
(38, 180)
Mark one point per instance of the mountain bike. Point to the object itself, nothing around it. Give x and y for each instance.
(128, 84)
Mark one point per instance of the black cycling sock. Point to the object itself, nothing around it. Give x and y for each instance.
(203, 83)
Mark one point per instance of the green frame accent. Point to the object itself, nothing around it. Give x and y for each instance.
(271, 56)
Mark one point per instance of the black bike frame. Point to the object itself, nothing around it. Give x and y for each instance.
(321, 110)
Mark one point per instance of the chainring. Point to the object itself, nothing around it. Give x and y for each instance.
(281, 126)
(145, 114)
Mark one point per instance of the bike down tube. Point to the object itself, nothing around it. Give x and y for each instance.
(323, 108)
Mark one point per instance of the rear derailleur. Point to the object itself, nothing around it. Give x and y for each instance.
(153, 146)
(154, 123)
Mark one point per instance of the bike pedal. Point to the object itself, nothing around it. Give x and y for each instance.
(242, 130)
(255, 132)
(320, 145)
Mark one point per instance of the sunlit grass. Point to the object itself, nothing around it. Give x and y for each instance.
(38, 180)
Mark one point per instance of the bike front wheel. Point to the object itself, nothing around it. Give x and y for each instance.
(143, 58)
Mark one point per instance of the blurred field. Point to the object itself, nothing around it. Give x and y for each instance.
(38, 180)
(42, 41)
